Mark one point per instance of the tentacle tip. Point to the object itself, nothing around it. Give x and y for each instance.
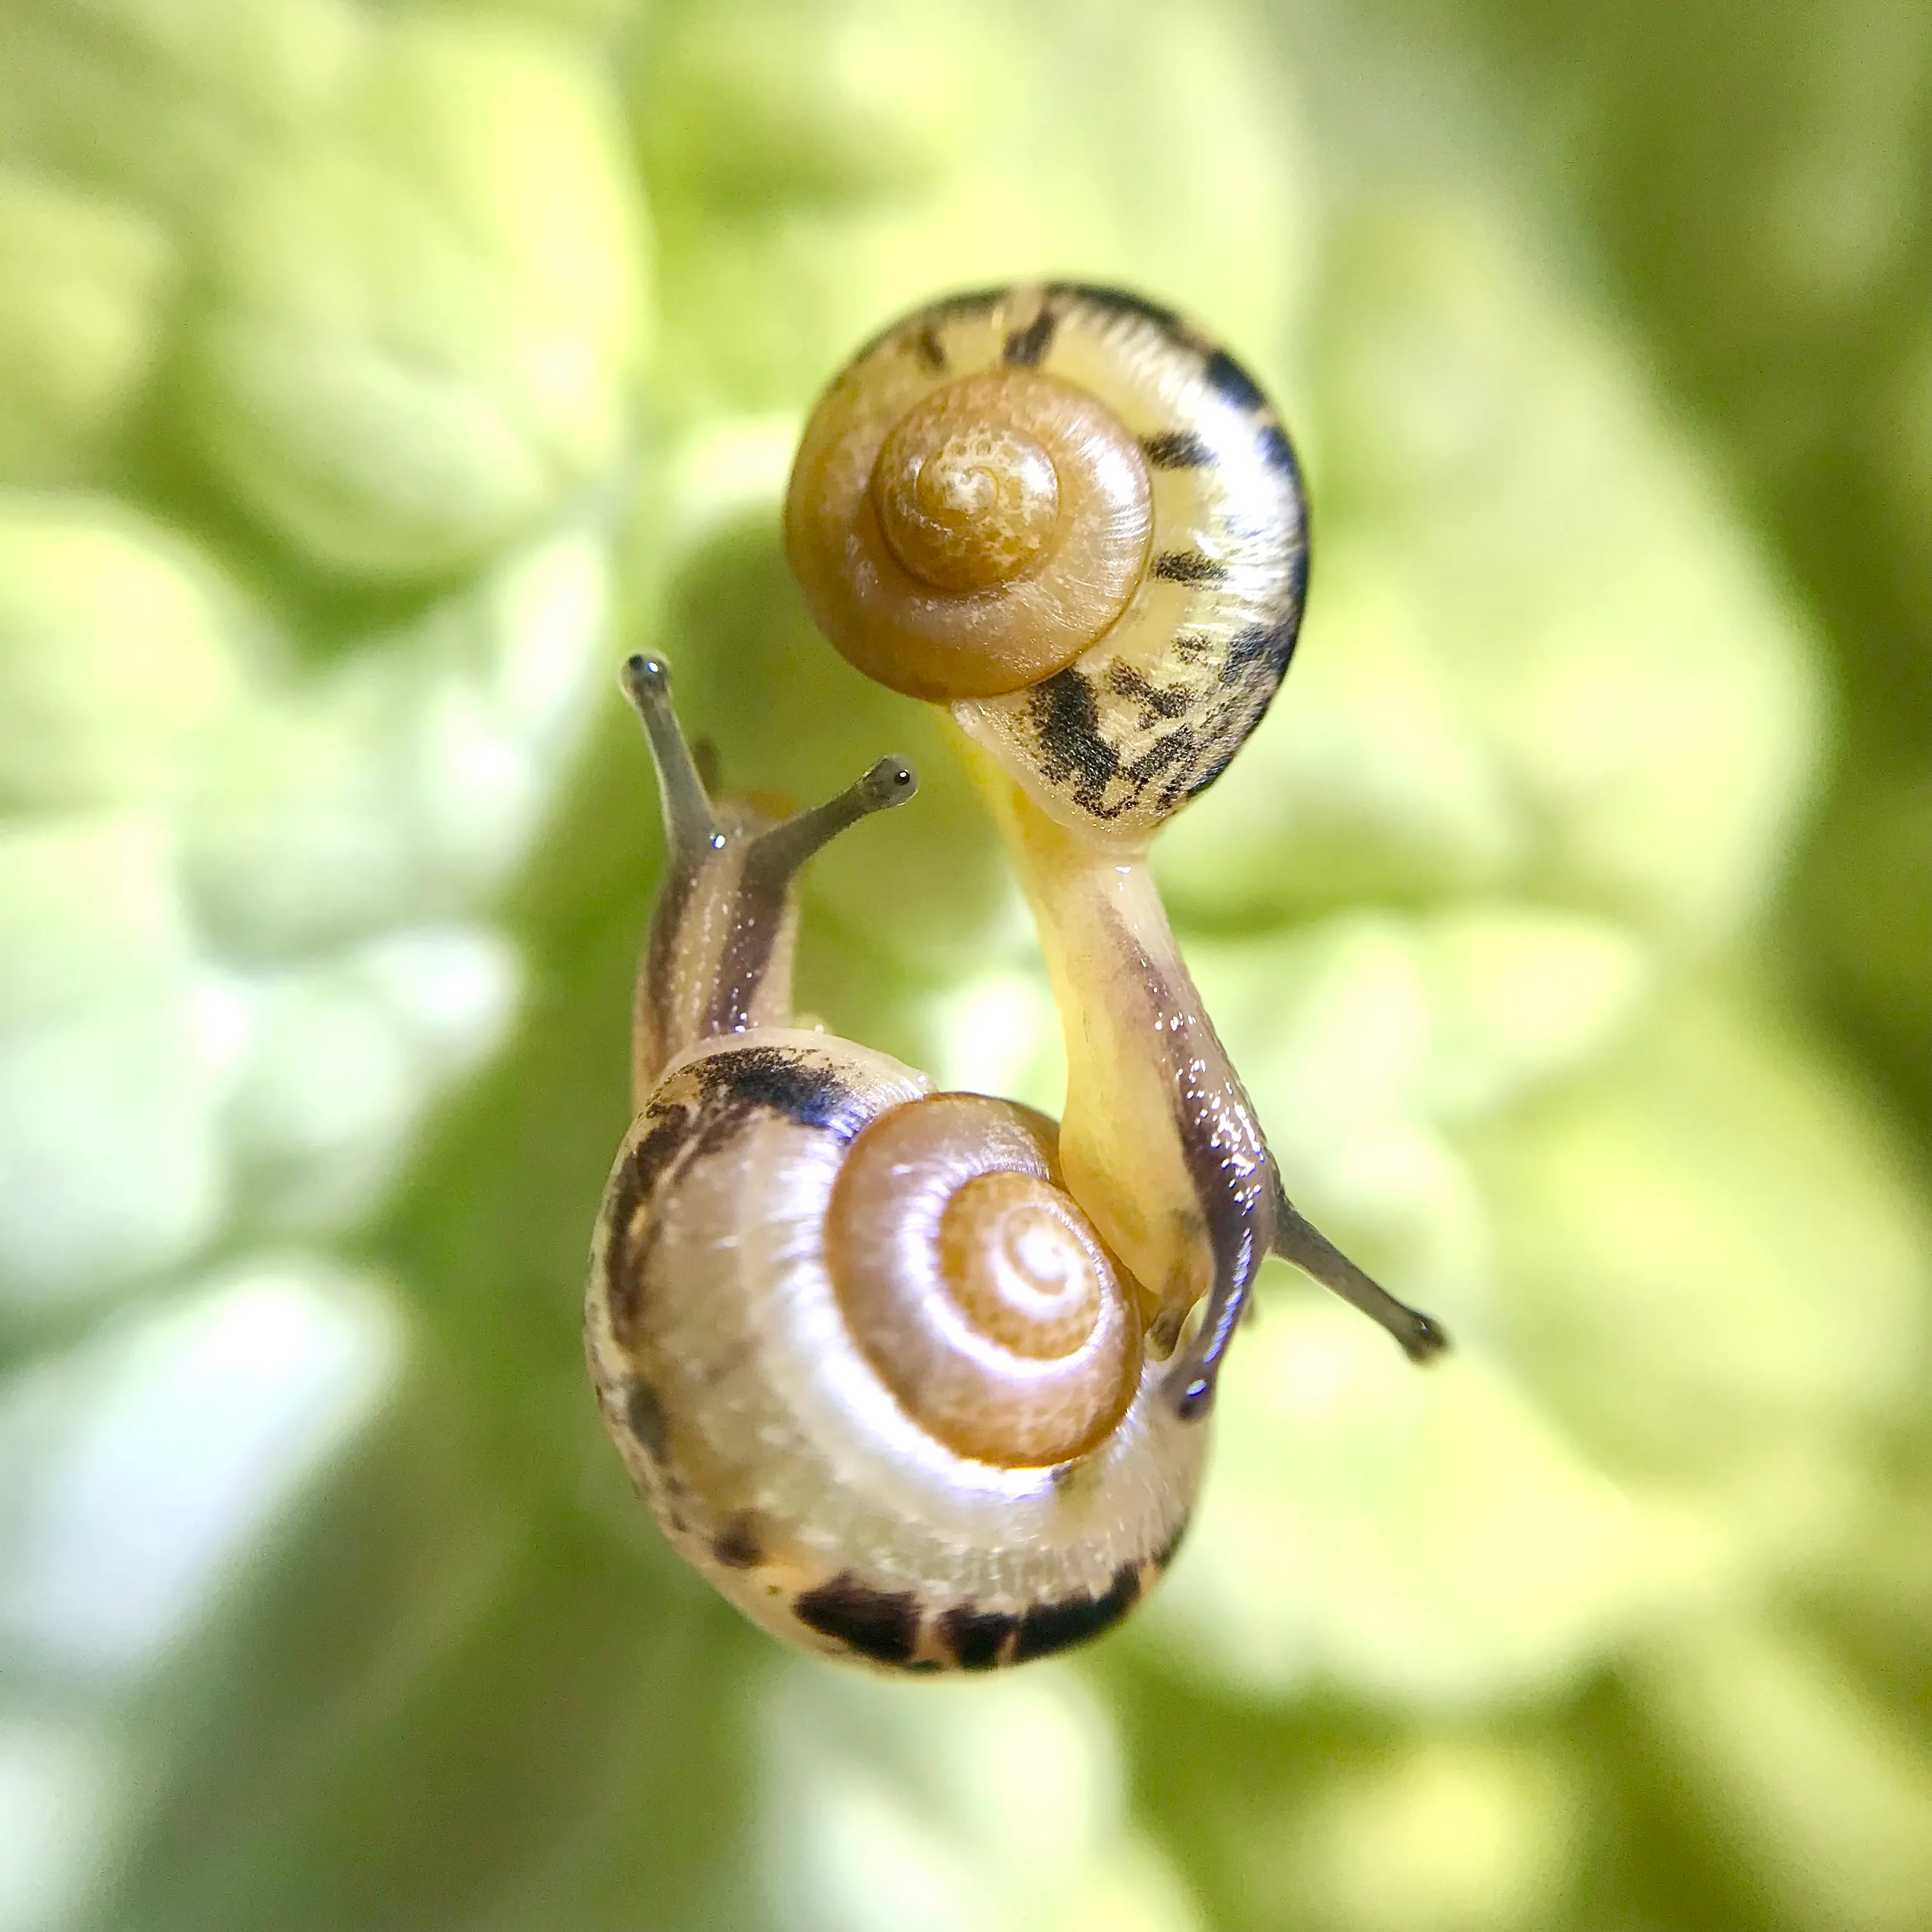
(644, 678)
(1426, 1338)
(890, 782)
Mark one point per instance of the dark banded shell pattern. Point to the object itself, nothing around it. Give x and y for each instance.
(773, 1456)
(1150, 714)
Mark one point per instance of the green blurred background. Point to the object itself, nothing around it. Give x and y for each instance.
(373, 375)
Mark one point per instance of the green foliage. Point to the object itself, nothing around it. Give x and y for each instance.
(373, 376)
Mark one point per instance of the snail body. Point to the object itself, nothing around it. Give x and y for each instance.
(920, 1380)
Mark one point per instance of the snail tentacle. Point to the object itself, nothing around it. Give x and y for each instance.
(718, 960)
(690, 829)
(1299, 1241)
(780, 852)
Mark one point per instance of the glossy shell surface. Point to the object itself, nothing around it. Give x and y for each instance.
(775, 1455)
(1148, 714)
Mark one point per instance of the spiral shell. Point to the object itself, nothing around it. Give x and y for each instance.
(919, 1474)
(966, 538)
(1063, 511)
(977, 1287)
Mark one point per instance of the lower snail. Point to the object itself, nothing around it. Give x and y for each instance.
(920, 1380)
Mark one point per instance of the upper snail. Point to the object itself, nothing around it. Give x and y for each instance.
(918, 1380)
(1065, 512)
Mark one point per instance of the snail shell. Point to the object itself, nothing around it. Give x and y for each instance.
(875, 1445)
(1063, 512)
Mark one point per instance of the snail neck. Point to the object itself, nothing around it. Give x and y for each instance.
(718, 959)
(1158, 1142)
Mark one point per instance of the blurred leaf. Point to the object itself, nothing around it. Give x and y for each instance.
(423, 316)
(374, 374)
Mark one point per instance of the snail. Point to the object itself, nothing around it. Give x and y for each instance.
(920, 1380)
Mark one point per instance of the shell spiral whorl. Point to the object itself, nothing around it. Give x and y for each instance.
(965, 505)
(967, 538)
(1067, 514)
(975, 1285)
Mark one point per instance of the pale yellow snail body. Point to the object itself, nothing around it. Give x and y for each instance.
(899, 1371)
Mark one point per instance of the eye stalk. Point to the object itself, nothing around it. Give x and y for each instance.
(723, 932)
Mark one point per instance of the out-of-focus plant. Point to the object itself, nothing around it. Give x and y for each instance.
(373, 375)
